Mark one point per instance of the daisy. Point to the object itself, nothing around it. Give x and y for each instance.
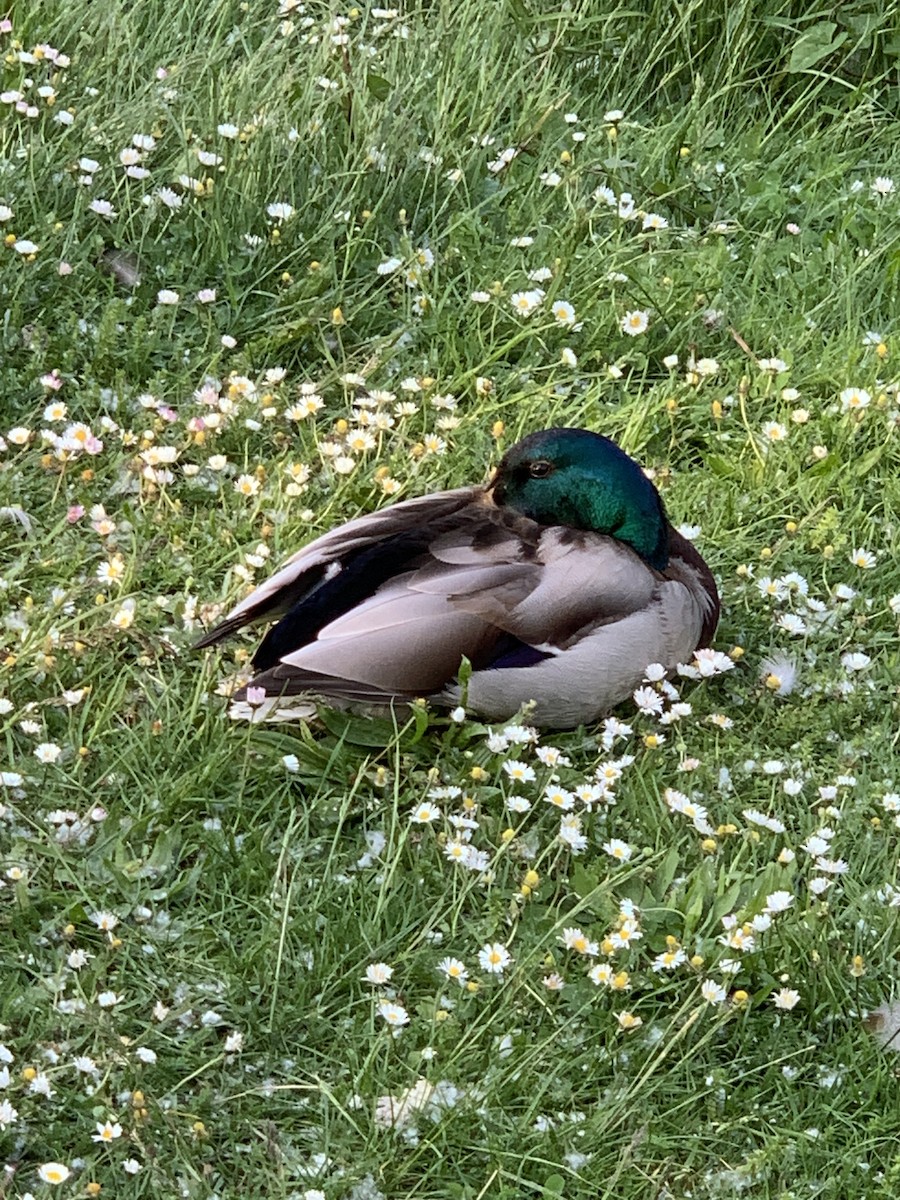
(456, 850)
(106, 921)
(281, 211)
(816, 845)
(246, 485)
(635, 322)
(425, 814)
(47, 752)
(524, 303)
(107, 1131)
(394, 1014)
(671, 958)
(855, 662)
(378, 973)
(758, 818)
(832, 866)
(563, 312)
(494, 958)
(574, 939)
(864, 559)
(453, 969)
(307, 406)
(786, 998)
(600, 974)
(168, 197)
(559, 797)
(854, 399)
(779, 674)
(591, 793)
(123, 618)
(518, 771)
(648, 701)
(791, 624)
(627, 933)
(609, 773)
(712, 992)
(706, 367)
(518, 804)
(712, 662)
(476, 860)
(570, 833)
(54, 1172)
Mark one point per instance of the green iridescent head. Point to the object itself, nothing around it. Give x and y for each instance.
(581, 479)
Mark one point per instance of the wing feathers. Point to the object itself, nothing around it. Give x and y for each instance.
(399, 642)
(304, 571)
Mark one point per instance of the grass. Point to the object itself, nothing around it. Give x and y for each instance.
(189, 906)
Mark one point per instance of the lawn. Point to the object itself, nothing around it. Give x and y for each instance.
(266, 268)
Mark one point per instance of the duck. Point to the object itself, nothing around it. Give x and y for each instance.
(550, 588)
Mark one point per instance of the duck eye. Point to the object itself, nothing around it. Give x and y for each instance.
(540, 468)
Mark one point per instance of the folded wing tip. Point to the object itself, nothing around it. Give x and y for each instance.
(210, 638)
(219, 633)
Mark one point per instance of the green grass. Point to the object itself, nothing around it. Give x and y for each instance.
(248, 896)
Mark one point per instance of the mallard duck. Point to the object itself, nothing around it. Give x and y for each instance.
(560, 581)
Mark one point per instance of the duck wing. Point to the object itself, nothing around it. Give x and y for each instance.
(342, 566)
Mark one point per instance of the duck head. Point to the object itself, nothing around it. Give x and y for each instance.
(581, 479)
